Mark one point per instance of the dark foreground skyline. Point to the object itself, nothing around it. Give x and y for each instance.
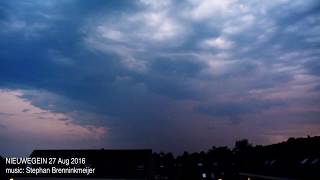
(166, 75)
(296, 158)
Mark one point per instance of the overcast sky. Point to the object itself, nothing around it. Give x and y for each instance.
(168, 75)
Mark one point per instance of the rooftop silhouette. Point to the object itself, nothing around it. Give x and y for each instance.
(296, 158)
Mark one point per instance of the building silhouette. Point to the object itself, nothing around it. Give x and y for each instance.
(296, 158)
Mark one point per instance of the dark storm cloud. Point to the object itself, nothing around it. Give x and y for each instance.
(140, 67)
(232, 110)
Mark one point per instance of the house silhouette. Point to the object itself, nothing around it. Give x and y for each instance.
(2, 168)
(296, 158)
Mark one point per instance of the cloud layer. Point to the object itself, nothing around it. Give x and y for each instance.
(149, 74)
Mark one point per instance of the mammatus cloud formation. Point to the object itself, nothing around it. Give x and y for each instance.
(168, 75)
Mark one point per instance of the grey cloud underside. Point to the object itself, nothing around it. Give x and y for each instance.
(134, 61)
